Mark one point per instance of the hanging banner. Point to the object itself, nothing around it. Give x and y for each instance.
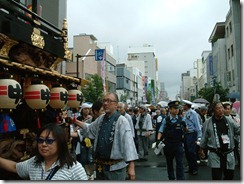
(103, 72)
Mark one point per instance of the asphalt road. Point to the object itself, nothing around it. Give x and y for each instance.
(154, 169)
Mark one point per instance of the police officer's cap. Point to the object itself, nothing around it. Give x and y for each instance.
(175, 104)
(186, 102)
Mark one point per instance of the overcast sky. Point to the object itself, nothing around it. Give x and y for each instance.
(178, 29)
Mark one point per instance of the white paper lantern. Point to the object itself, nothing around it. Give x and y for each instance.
(10, 93)
(37, 96)
(58, 97)
(75, 98)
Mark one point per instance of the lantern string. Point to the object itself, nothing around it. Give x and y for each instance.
(57, 119)
(74, 119)
(5, 124)
(38, 120)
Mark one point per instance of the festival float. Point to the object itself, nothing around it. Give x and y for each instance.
(32, 92)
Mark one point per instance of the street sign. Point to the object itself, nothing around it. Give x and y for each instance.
(99, 54)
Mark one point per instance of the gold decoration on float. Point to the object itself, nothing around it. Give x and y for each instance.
(68, 54)
(5, 45)
(37, 39)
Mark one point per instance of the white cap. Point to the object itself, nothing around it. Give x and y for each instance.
(186, 102)
(85, 105)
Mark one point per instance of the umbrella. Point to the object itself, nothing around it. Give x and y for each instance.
(200, 100)
(163, 103)
(234, 95)
(236, 105)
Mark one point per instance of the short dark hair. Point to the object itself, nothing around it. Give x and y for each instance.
(97, 106)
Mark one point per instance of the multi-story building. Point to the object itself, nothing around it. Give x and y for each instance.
(222, 63)
(207, 69)
(225, 39)
(126, 85)
(233, 46)
(146, 55)
(188, 84)
(218, 54)
(83, 64)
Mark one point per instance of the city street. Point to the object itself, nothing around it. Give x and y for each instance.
(154, 169)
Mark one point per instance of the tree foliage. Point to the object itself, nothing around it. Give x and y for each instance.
(209, 92)
(93, 91)
(149, 97)
(123, 98)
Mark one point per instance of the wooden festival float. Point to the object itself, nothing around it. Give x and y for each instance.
(32, 92)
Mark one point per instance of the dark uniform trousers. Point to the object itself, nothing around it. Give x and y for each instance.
(171, 151)
(190, 150)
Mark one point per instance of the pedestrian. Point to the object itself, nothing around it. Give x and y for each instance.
(172, 132)
(133, 112)
(52, 161)
(121, 109)
(230, 112)
(144, 129)
(191, 137)
(218, 137)
(96, 111)
(202, 112)
(157, 121)
(85, 155)
(114, 147)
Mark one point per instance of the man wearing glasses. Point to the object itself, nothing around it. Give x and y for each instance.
(114, 147)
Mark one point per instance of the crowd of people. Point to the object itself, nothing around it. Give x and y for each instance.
(108, 137)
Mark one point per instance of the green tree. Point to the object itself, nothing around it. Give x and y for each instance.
(149, 97)
(93, 90)
(123, 98)
(209, 92)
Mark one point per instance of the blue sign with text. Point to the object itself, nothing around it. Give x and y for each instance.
(99, 54)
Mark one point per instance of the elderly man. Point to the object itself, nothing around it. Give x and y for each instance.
(218, 137)
(121, 109)
(144, 129)
(114, 147)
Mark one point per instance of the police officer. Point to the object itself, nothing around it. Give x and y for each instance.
(172, 131)
(193, 135)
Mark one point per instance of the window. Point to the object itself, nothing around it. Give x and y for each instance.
(229, 76)
(228, 53)
(230, 27)
(232, 51)
(227, 32)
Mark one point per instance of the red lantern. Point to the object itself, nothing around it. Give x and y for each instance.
(58, 97)
(37, 96)
(10, 93)
(75, 98)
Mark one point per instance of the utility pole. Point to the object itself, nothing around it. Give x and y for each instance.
(77, 64)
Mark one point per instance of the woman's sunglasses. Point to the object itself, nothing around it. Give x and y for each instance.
(47, 140)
